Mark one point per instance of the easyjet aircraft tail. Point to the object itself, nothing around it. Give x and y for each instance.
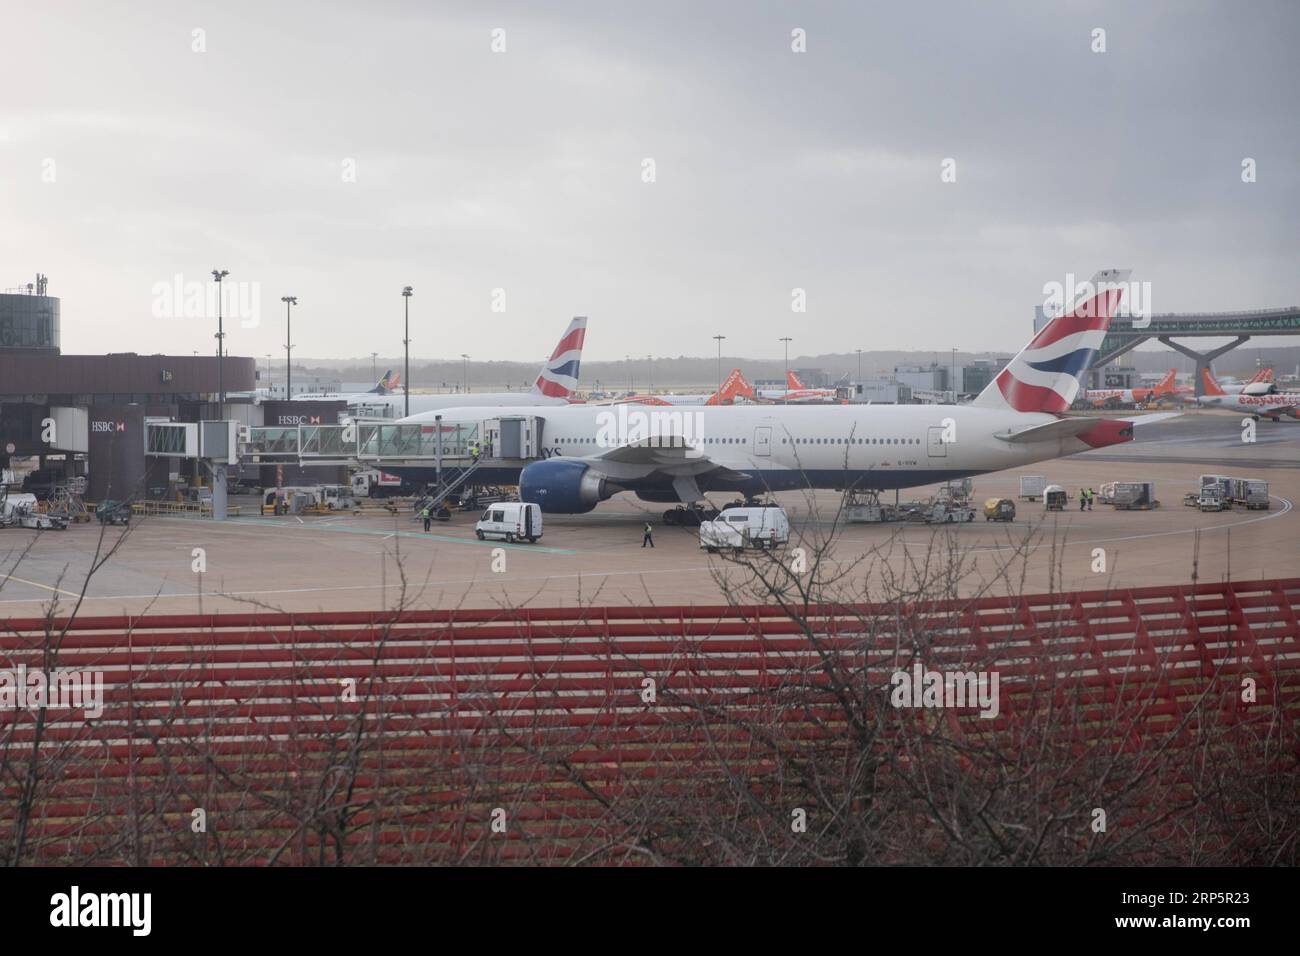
(1211, 383)
(1167, 384)
(792, 382)
(1047, 374)
(733, 385)
(559, 376)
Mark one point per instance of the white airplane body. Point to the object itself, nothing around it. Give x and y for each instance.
(384, 386)
(590, 453)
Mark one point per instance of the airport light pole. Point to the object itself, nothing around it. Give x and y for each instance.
(953, 383)
(406, 344)
(465, 371)
(374, 368)
(649, 374)
(217, 276)
(785, 397)
(859, 351)
(289, 302)
(718, 339)
(631, 382)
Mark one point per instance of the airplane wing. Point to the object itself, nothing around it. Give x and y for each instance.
(664, 454)
(1149, 419)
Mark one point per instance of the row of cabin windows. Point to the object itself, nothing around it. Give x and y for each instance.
(704, 441)
(852, 441)
(796, 441)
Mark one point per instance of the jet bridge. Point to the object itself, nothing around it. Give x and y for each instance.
(459, 448)
(382, 443)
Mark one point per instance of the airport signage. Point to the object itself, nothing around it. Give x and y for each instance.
(298, 420)
(108, 426)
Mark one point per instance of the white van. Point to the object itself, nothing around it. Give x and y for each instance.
(512, 520)
(739, 528)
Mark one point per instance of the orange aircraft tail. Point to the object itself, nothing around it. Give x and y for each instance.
(1211, 383)
(733, 385)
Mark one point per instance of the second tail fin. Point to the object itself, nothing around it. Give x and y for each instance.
(389, 383)
(734, 384)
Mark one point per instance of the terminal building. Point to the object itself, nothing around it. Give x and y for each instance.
(87, 415)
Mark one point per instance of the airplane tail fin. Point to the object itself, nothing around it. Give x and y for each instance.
(1166, 385)
(559, 376)
(792, 382)
(1047, 374)
(1211, 383)
(1262, 376)
(734, 384)
(388, 383)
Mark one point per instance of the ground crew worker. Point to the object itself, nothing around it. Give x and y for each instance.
(1091, 494)
(647, 537)
(473, 451)
(424, 513)
(1083, 498)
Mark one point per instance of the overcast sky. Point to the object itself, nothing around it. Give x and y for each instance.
(127, 159)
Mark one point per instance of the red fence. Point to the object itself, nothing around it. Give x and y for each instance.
(304, 736)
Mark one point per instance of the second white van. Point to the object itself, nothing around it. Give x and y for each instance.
(739, 528)
(512, 520)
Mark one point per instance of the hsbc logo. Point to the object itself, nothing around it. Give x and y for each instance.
(108, 426)
(298, 420)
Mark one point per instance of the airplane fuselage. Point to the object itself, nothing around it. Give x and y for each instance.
(752, 449)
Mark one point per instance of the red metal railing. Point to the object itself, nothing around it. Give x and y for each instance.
(431, 716)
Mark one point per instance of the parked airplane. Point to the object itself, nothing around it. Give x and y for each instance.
(389, 383)
(794, 392)
(731, 386)
(1167, 387)
(1271, 406)
(591, 453)
(554, 386)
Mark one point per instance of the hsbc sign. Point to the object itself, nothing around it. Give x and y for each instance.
(298, 420)
(108, 426)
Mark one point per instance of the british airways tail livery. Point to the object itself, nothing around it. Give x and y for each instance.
(554, 386)
(559, 376)
(584, 455)
(1047, 373)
